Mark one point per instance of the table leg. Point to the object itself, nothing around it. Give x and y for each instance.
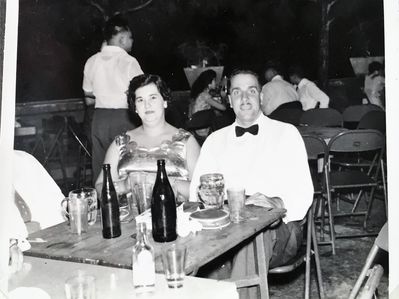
(263, 266)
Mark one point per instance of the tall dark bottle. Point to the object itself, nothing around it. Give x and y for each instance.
(109, 206)
(163, 207)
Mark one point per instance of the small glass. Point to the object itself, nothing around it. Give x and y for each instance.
(81, 286)
(174, 262)
(236, 201)
(124, 194)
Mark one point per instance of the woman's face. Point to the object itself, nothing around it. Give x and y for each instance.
(149, 103)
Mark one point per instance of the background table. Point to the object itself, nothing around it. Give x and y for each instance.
(202, 248)
(50, 275)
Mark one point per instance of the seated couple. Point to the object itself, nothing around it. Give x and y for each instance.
(266, 157)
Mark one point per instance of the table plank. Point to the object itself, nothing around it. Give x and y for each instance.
(203, 247)
(50, 276)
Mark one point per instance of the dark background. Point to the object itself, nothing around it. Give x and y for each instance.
(57, 36)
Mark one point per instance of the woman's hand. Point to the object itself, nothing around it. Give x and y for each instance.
(16, 257)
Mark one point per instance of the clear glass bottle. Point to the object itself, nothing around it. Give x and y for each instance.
(163, 207)
(143, 262)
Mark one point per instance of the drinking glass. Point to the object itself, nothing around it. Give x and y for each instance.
(142, 190)
(81, 286)
(82, 209)
(211, 190)
(124, 194)
(236, 201)
(174, 259)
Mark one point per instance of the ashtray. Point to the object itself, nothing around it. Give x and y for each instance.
(212, 218)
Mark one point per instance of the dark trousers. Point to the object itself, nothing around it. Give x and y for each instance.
(281, 244)
(107, 123)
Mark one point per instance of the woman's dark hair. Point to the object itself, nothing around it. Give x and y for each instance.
(375, 66)
(144, 80)
(202, 82)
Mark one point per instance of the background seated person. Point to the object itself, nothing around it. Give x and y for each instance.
(202, 100)
(374, 84)
(269, 160)
(148, 96)
(309, 94)
(276, 91)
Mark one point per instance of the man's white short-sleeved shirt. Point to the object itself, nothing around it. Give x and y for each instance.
(277, 92)
(274, 163)
(310, 94)
(107, 75)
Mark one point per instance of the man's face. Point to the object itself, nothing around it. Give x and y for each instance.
(245, 98)
(126, 41)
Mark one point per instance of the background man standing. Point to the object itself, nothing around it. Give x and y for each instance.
(106, 79)
(267, 158)
(276, 91)
(309, 94)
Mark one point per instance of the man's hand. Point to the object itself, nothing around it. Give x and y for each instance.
(90, 99)
(259, 199)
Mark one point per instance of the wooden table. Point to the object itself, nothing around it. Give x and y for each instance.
(202, 248)
(324, 132)
(50, 276)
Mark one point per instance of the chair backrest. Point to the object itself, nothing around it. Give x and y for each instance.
(357, 141)
(291, 116)
(327, 117)
(373, 120)
(355, 113)
(291, 105)
(315, 146)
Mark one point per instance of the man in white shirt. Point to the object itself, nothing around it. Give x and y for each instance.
(276, 91)
(107, 75)
(309, 94)
(267, 158)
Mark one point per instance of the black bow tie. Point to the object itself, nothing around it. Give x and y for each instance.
(252, 129)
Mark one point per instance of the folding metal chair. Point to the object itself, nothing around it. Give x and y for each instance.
(287, 115)
(305, 257)
(327, 117)
(375, 273)
(316, 149)
(373, 120)
(352, 178)
(353, 114)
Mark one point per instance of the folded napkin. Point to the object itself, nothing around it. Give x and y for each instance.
(184, 225)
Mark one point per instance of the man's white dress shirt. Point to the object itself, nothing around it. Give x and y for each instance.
(373, 87)
(107, 75)
(309, 94)
(277, 92)
(274, 163)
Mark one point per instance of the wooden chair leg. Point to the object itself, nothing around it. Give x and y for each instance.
(317, 261)
(308, 254)
(370, 203)
(330, 215)
(384, 186)
(363, 273)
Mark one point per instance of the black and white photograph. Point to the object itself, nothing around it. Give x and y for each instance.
(199, 149)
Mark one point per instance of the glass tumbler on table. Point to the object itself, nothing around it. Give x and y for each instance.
(236, 201)
(174, 260)
(124, 195)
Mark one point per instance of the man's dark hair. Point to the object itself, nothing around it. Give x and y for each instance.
(236, 72)
(296, 70)
(275, 65)
(144, 80)
(115, 25)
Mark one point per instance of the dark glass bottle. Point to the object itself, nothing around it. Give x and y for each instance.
(109, 206)
(163, 207)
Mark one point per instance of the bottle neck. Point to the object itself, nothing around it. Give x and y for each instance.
(161, 173)
(142, 236)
